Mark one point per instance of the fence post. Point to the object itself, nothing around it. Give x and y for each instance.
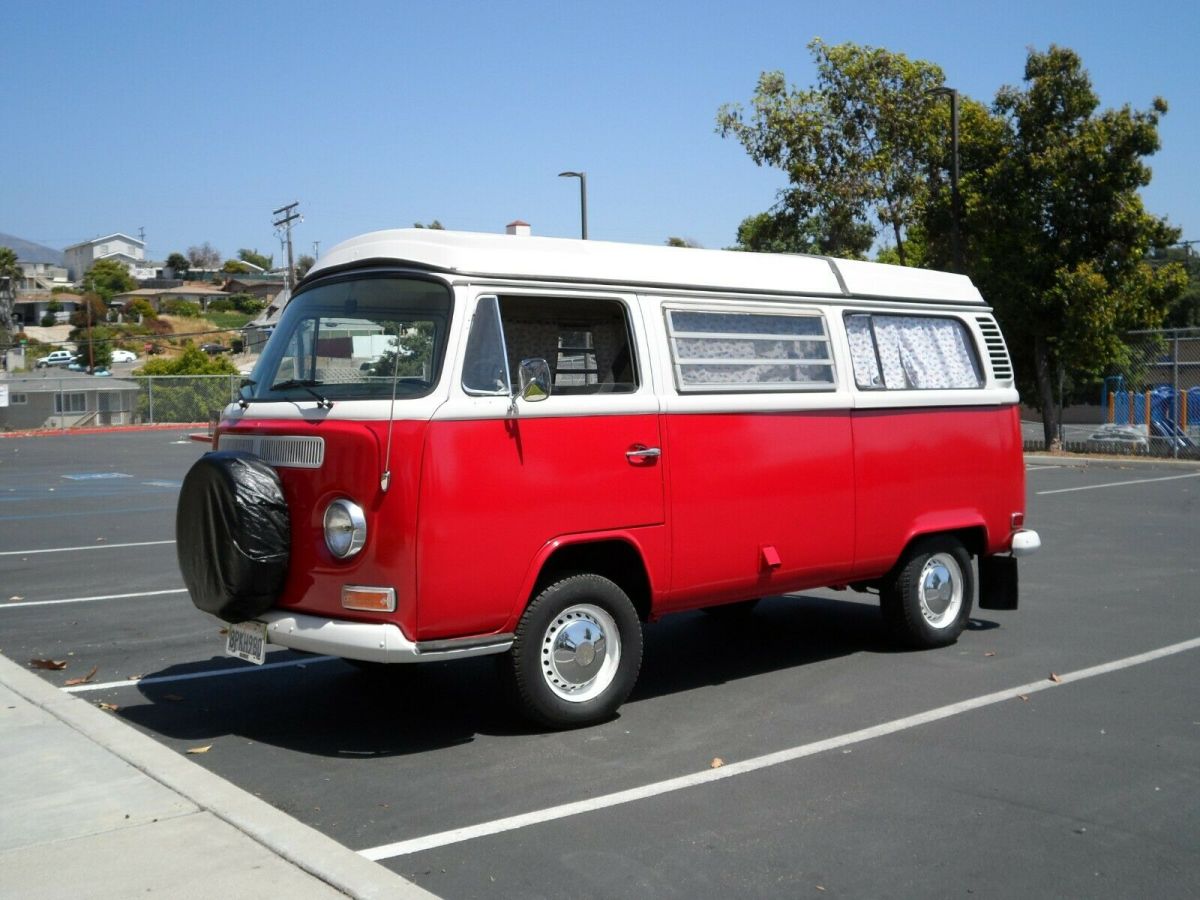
(1146, 410)
(1175, 429)
(1112, 407)
(150, 388)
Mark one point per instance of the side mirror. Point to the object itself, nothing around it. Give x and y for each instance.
(535, 379)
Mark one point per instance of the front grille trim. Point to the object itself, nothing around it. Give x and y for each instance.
(280, 451)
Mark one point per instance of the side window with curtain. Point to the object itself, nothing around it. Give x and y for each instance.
(716, 350)
(911, 353)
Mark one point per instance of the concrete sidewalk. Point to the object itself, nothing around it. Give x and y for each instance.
(91, 807)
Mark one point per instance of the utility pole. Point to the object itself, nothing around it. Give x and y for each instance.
(285, 216)
(316, 249)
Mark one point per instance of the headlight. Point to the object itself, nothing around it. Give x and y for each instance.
(345, 528)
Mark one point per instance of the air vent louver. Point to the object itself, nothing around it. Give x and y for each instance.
(998, 354)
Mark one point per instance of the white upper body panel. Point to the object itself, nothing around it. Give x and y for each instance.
(603, 262)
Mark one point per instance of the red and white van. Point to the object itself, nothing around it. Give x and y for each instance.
(464, 444)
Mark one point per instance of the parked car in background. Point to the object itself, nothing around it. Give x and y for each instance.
(56, 358)
(1125, 435)
(214, 349)
(124, 356)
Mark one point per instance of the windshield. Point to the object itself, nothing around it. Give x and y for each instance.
(346, 339)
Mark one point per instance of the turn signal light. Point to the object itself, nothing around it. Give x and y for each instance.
(1018, 519)
(369, 599)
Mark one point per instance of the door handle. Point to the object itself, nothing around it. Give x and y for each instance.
(638, 451)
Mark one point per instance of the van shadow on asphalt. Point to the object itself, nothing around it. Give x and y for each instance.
(333, 709)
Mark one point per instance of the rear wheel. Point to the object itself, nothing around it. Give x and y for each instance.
(927, 600)
(576, 653)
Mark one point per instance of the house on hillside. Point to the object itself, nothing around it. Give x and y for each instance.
(194, 292)
(30, 307)
(122, 248)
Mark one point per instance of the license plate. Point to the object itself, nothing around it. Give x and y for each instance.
(248, 641)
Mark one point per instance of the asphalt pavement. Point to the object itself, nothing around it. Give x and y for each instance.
(1053, 751)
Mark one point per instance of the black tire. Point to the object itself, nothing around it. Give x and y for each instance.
(732, 613)
(565, 689)
(927, 599)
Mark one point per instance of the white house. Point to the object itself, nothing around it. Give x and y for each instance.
(122, 248)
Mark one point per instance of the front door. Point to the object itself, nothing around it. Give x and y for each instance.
(503, 478)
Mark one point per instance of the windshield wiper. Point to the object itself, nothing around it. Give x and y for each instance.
(306, 384)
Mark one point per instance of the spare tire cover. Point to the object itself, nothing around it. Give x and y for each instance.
(232, 535)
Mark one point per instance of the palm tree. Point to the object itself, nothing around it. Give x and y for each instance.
(10, 276)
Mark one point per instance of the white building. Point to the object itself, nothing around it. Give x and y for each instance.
(122, 248)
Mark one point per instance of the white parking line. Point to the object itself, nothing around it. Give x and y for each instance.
(1094, 487)
(88, 547)
(1040, 468)
(708, 776)
(190, 676)
(22, 604)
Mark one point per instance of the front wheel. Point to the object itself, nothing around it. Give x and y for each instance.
(927, 600)
(576, 653)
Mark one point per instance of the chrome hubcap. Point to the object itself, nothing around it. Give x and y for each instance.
(941, 590)
(580, 652)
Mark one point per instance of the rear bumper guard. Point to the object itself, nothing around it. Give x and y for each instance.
(371, 641)
(1025, 543)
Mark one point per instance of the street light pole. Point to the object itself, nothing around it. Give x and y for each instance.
(582, 176)
(955, 203)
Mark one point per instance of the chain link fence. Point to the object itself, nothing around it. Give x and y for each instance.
(1148, 407)
(60, 401)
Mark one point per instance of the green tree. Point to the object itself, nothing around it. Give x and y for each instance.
(266, 263)
(107, 278)
(781, 230)
(178, 263)
(680, 242)
(11, 275)
(236, 267)
(855, 147)
(192, 361)
(303, 264)
(89, 332)
(201, 385)
(1057, 236)
(435, 225)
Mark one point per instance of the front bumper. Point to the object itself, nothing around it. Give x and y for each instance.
(371, 641)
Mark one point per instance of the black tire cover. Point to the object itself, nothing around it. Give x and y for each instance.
(232, 535)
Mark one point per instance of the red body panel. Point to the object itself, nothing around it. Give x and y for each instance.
(743, 482)
(925, 470)
(753, 503)
(352, 467)
(496, 491)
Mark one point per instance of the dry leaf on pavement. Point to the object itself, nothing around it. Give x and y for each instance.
(54, 664)
(85, 679)
(108, 707)
(716, 763)
(1054, 677)
(194, 750)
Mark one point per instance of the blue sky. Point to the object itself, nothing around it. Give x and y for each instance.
(195, 120)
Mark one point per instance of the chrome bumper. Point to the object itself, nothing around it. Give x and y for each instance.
(374, 642)
(1025, 543)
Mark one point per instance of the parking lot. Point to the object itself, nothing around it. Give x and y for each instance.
(1053, 751)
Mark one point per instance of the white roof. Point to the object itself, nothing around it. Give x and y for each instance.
(560, 259)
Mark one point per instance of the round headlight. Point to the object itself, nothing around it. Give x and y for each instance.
(345, 528)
